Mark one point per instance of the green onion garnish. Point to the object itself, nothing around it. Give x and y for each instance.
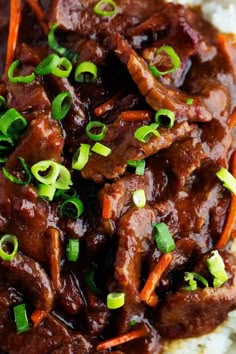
(192, 278)
(65, 194)
(21, 319)
(16, 180)
(145, 132)
(6, 143)
(72, 208)
(46, 191)
(89, 280)
(115, 300)
(63, 69)
(189, 101)
(12, 123)
(8, 239)
(138, 165)
(100, 7)
(96, 136)
(228, 180)
(86, 72)
(139, 198)
(164, 240)
(165, 118)
(216, 267)
(101, 149)
(81, 157)
(61, 105)
(175, 59)
(53, 64)
(53, 44)
(2, 103)
(72, 250)
(52, 173)
(19, 79)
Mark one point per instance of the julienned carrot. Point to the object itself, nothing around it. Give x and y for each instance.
(39, 13)
(106, 207)
(154, 277)
(15, 19)
(231, 218)
(55, 257)
(37, 316)
(108, 105)
(232, 121)
(124, 338)
(136, 115)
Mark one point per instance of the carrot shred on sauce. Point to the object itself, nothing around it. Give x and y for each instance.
(108, 105)
(39, 13)
(231, 218)
(15, 20)
(106, 207)
(38, 316)
(136, 115)
(55, 257)
(124, 338)
(154, 277)
(232, 121)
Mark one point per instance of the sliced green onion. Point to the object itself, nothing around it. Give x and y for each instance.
(101, 149)
(228, 180)
(19, 79)
(192, 279)
(115, 300)
(216, 267)
(61, 105)
(91, 126)
(46, 191)
(72, 250)
(12, 123)
(21, 319)
(89, 280)
(100, 7)
(139, 166)
(53, 44)
(189, 101)
(86, 72)
(164, 240)
(72, 208)
(16, 180)
(139, 198)
(81, 157)
(47, 65)
(65, 194)
(175, 60)
(11, 239)
(145, 132)
(52, 173)
(165, 118)
(63, 69)
(132, 323)
(2, 103)
(6, 143)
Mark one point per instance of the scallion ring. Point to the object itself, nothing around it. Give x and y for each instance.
(89, 280)
(86, 72)
(164, 240)
(2, 103)
(165, 118)
(216, 267)
(100, 7)
(138, 165)
(145, 132)
(101, 149)
(115, 300)
(47, 65)
(46, 191)
(63, 69)
(139, 198)
(175, 60)
(93, 125)
(61, 105)
(81, 157)
(19, 79)
(6, 143)
(12, 240)
(16, 180)
(72, 208)
(12, 123)
(65, 194)
(72, 250)
(189, 101)
(21, 319)
(228, 180)
(192, 278)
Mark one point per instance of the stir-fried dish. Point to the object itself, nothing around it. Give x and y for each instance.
(117, 182)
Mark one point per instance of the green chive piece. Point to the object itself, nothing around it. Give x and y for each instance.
(16, 180)
(72, 208)
(12, 123)
(93, 125)
(21, 319)
(101, 149)
(100, 8)
(86, 72)
(228, 180)
(19, 79)
(139, 198)
(164, 240)
(216, 267)
(81, 157)
(145, 132)
(8, 239)
(72, 250)
(61, 105)
(192, 279)
(115, 300)
(165, 118)
(175, 60)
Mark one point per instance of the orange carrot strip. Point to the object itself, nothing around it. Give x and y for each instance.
(154, 277)
(37, 317)
(232, 121)
(229, 226)
(15, 19)
(108, 105)
(39, 13)
(55, 258)
(106, 208)
(136, 115)
(153, 300)
(124, 338)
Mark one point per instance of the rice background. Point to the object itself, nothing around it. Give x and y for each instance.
(222, 14)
